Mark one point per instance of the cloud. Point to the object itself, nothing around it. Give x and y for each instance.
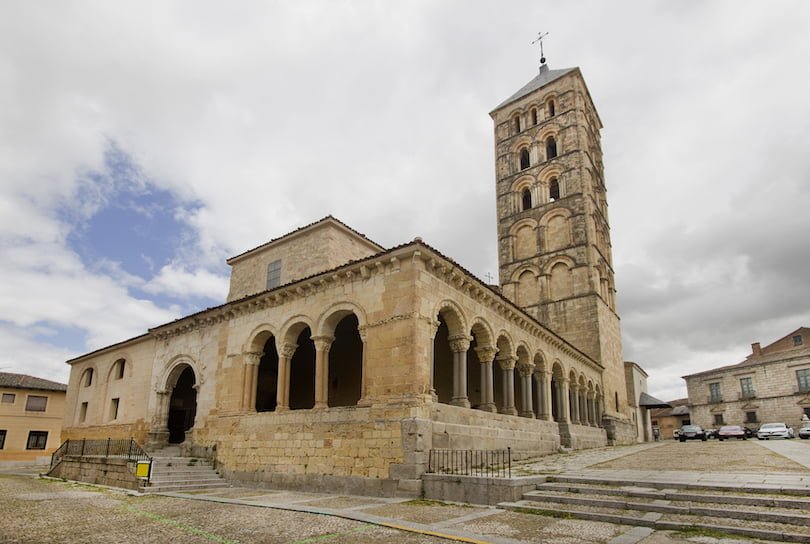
(175, 281)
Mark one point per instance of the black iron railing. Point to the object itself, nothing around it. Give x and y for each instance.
(485, 463)
(125, 448)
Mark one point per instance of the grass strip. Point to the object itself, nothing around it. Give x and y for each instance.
(182, 526)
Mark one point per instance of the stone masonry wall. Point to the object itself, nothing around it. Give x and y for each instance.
(112, 472)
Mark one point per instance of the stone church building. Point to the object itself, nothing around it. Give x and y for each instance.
(336, 358)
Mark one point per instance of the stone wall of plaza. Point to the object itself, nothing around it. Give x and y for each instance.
(776, 395)
(404, 300)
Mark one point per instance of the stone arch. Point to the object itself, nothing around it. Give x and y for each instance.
(481, 330)
(332, 316)
(556, 226)
(258, 337)
(524, 234)
(342, 323)
(453, 315)
(523, 182)
(561, 281)
(527, 287)
(181, 381)
(89, 376)
(539, 360)
(293, 327)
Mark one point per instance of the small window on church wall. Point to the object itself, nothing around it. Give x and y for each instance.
(516, 122)
(534, 116)
(797, 340)
(274, 274)
(87, 377)
(551, 108)
(554, 190)
(551, 148)
(527, 199)
(120, 365)
(524, 158)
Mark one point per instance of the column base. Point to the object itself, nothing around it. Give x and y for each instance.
(489, 407)
(509, 411)
(157, 439)
(529, 415)
(464, 402)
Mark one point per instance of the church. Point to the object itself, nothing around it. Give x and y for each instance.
(336, 359)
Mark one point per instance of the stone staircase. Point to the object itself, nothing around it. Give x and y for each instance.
(659, 506)
(173, 472)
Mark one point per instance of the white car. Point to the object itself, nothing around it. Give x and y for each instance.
(804, 432)
(774, 430)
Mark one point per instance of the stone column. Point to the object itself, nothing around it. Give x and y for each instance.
(252, 359)
(573, 399)
(285, 354)
(525, 374)
(565, 407)
(507, 365)
(322, 345)
(459, 344)
(537, 391)
(433, 327)
(162, 410)
(363, 383)
(583, 408)
(486, 355)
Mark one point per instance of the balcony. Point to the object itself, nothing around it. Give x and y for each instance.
(714, 399)
(746, 395)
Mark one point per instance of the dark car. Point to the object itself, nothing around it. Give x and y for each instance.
(731, 431)
(710, 433)
(691, 432)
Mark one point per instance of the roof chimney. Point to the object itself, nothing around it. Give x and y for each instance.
(756, 351)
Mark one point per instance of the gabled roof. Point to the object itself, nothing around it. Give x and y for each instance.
(329, 219)
(23, 381)
(542, 79)
(648, 401)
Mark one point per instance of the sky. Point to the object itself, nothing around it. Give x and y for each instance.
(143, 143)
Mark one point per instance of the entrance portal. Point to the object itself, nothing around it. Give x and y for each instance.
(182, 407)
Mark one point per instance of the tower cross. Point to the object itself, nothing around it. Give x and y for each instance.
(540, 36)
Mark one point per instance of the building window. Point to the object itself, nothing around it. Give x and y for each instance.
(551, 108)
(120, 365)
(83, 412)
(747, 388)
(87, 377)
(2, 438)
(718, 419)
(37, 440)
(553, 190)
(524, 159)
(714, 393)
(797, 340)
(534, 116)
(551, 148)
(803, 376)
(274, 274)
(516, 122)
(36, 403)
(114, 409)
(527, 199)
(8, 398)
(750, 417)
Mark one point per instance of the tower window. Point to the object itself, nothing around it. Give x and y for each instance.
(120, 365)
(554, 190)
(524, 158)
(534, 116)
(797, 340)
(527, 199)
(551, 108)
(274, 274)
(551, 148)
(516, 122)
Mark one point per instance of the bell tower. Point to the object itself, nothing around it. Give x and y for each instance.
(554, 247)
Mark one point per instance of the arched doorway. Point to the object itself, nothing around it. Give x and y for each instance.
(182, 404)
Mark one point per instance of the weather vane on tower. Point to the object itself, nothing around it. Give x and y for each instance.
(539, 39)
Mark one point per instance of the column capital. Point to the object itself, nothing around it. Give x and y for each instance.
(287, 350)
(507, 362)
(252, 357)
(459, 343)
(162, 392)
(486, 354)
(525, 369)
(323, 343)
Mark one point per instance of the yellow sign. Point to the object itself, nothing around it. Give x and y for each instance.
(142, 470)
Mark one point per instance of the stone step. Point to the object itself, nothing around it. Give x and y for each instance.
(678, 485)
(641, 491)
(764, 530)
(663, 506)
(178, 481)
(184, 487)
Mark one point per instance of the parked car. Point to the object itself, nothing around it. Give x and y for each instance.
(749, 433)
(804, 432)
(731, 431)
(675, 433)
(710, 433)
(774, 430)
(691, 432)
